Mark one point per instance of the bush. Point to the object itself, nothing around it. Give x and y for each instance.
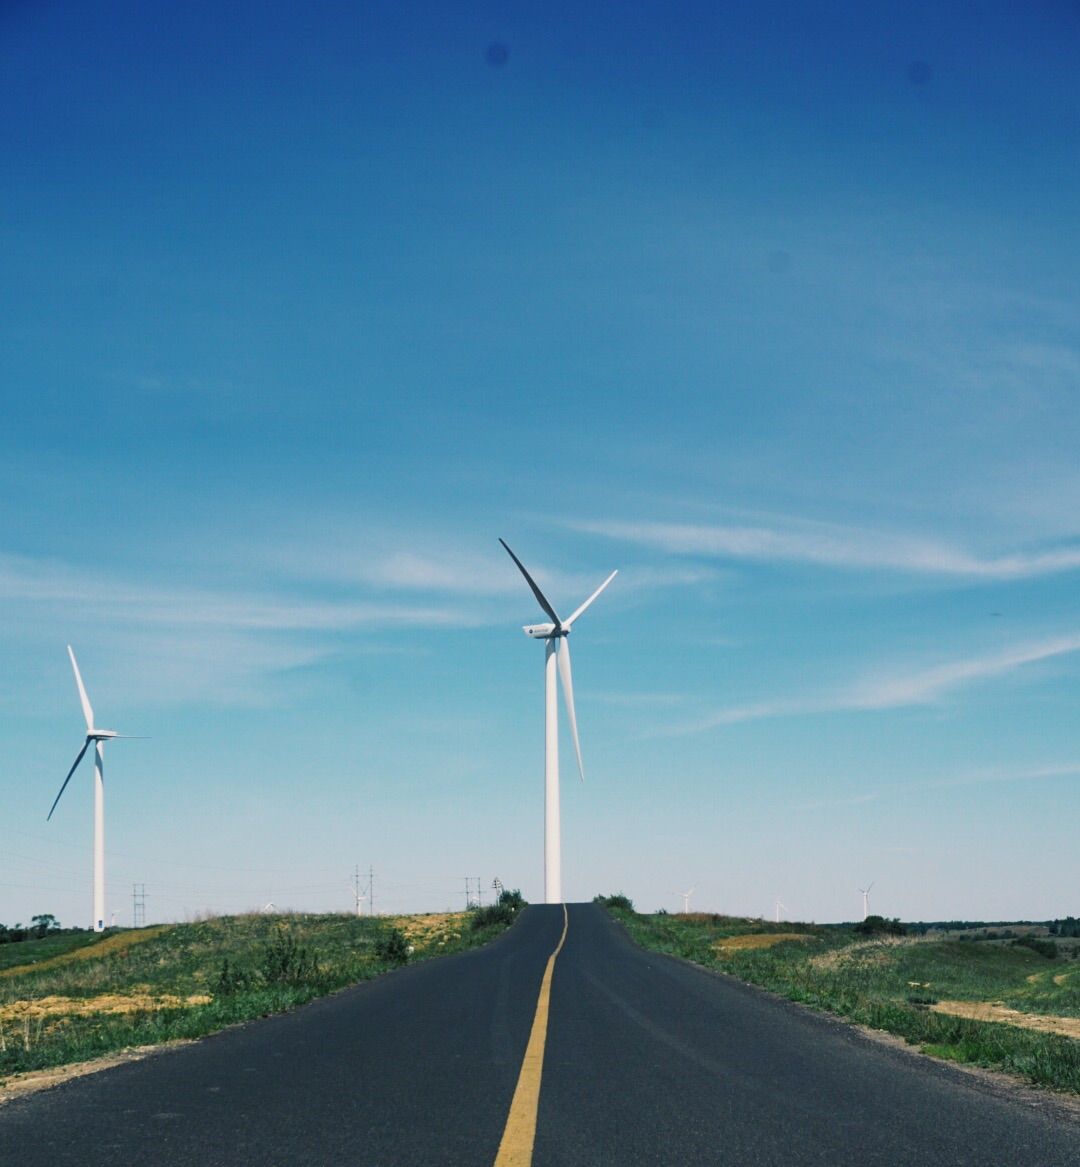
(618, 900)
(1045, 948)
(285, 962)
(513, 899)
(880, 926)
(392, 946)
(499, 913)
(231, 980)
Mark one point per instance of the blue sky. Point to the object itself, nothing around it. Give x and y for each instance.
(771, 306)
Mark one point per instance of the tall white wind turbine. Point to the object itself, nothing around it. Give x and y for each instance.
(557, 657)
(99, 737)
(866, 899)
(780, 908)
(686, 898)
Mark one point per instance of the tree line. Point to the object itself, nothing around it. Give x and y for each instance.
(39, 926)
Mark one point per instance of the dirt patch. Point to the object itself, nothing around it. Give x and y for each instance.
(995, 1011)
(1061, 978)
(34, 1080)
(757, 940)
(107, 946)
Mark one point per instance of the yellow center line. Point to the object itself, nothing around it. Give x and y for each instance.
(516, 1148)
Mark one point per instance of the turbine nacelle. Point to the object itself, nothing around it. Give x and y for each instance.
(541, 631)
(101, 735)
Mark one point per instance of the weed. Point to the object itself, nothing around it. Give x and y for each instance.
(392, 946)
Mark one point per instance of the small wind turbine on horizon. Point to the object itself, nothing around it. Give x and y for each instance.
(358, 896)
(779, 908)
(686, 898)
(866, 899)
(557, 656)
(99, 737)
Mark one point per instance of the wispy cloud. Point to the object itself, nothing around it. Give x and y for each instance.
(451, 571)
(970, 778)
(636, 700)
(831, 545)
(51, 583)
(921, 687)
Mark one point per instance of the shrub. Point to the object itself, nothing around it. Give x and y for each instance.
(499, 913)
(1045, 948)
(880, 926)
(618, 900)
(232, 979)
(285, 962)
(513, 899)
(392, 946)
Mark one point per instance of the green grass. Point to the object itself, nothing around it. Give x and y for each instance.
(32, 951)
(187, 980)
(889, 983)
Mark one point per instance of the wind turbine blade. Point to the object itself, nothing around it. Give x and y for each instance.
(569, 623)
(541, 599)
(565, 675)
(88, 713)
(74, 767)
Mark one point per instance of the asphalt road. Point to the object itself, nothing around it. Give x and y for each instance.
(648, 1061)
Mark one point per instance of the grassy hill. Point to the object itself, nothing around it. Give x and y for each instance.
(1006, 997)
(72, 1002)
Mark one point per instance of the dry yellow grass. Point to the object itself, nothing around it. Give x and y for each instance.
(866, 952)
(434, 928)
(1061, 978)
(106, 947)
(105, 1003)
(995, 1011)
(756, 940)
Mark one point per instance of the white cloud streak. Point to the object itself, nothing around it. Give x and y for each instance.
(976, 778)
(904, 690)
(55, 584)
(831, 545)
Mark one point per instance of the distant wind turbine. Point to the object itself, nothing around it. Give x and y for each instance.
(866, 899)
(358, 895)
(99, 737)
(557, 657)
(779, 908)
(686, 898)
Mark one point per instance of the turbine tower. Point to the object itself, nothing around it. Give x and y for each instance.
(780, 908)
(99, 737)
(866, 899)
(557, 657)
(686, 898)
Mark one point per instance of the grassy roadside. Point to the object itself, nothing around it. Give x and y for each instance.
(898, 984)
(44, 948)
(147, 986)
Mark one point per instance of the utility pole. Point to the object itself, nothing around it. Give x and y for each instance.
(138, 905)
(358, 895)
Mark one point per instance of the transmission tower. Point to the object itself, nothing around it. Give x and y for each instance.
(138, 905)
